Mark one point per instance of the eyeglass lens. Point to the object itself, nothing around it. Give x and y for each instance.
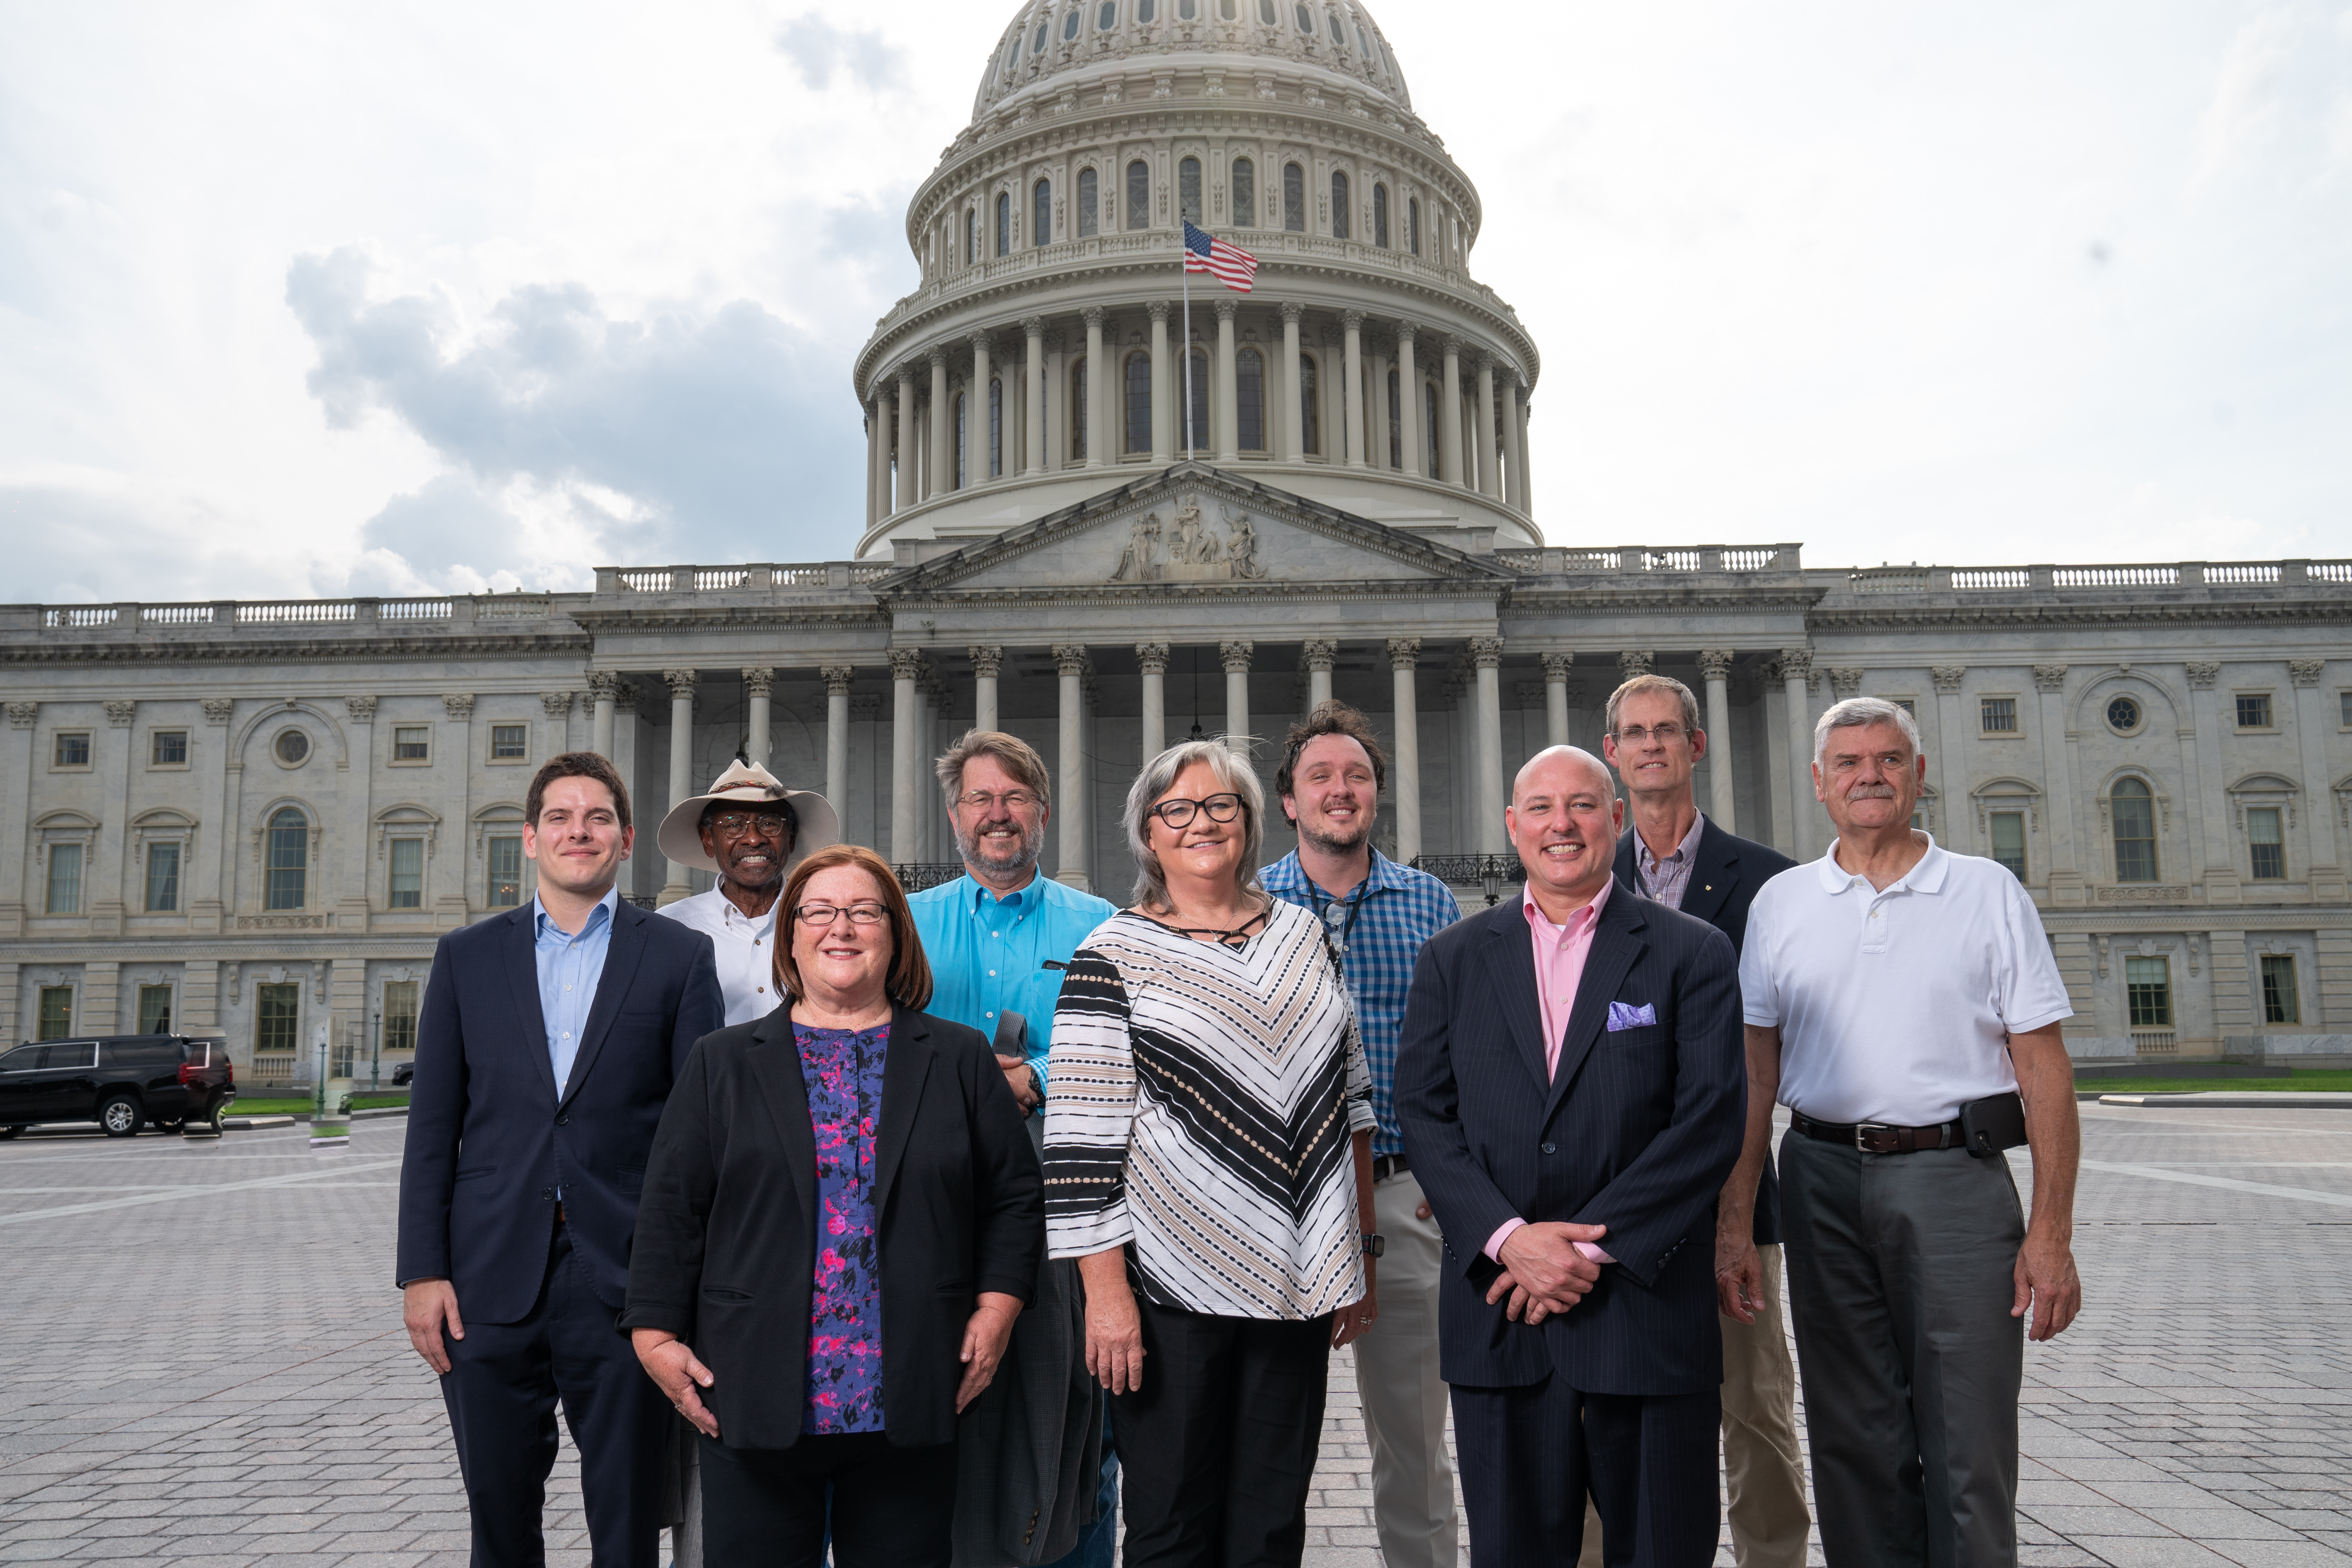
(1180, 813)
(734, 824)
(1634, 735)
(826, 914)
(1014, 799)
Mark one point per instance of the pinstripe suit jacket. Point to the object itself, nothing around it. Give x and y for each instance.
(1636, 1131)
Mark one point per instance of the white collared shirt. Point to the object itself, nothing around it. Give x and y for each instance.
(745, 949)
(1896, 1006)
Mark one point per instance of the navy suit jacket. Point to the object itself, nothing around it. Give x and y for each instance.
(1636, 1131)
(490, 1142)
(1726, 874)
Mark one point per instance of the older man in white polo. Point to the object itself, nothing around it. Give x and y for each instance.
(750, 830)
(1902, 1001)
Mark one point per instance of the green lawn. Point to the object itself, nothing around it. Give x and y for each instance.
(2303, 1080)
(304, 1105)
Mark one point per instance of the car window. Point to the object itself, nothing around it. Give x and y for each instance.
(134, 1054)
(25, 1058)
(77, 1054)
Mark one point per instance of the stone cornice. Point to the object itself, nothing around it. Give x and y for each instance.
(250, 649)
(2124, 611)
(701, 614)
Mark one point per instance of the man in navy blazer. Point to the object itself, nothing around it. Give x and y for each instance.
(550, 1037)
(1571, 1089)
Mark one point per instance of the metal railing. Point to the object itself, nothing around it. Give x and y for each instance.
(1490, 873)
(916, 875)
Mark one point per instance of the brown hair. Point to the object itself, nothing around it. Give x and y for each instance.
(1665, 685)
(576, 765)
(1013, 755)
(910, 981)
(1331, 717)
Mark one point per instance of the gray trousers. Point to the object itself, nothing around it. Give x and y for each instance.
(1901, 1274)
(1404, 1399)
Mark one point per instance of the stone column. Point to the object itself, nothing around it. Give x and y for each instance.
(907, 466)
(602, 685)
(987, 664)
(2313, 725)
(1486, 654)
(1032, 430)
(975, 418)
(2222, 884)
(1715, 666)
(927, 746)
(1376, 407)
(1489, 476)
(1409, 434)
(1294, 413)
(876, 447)
(1353, 323)
(681, 765)
(1070, 763)
(1514, 457)
(1097, 437)
(757, 685)
(1404, 659)
(1320, 657)
(1527, 477)
(1796, 670)
(1236, 659)
(1951, 764)
(942, 479)
(1163, 400)
(2066, 879)
(1227, 415)
(1556, 667)
(1449, 414)
(1153, 658)
(905, 754)
(837, 678)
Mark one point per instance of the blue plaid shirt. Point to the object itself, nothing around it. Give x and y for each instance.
(1379, 928)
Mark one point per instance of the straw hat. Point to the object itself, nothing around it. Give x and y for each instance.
(747, 784)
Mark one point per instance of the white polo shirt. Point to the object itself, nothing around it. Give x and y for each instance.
(1896, 1006)
(745, 949)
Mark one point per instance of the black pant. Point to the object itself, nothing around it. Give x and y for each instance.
(1219, 1444)
(1530, 1456)
(503, 1384)
(892, 1508)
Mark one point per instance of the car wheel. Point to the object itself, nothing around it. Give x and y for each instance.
(215, 1123)
(122, 1117)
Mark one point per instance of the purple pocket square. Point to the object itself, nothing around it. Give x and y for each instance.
(1624, 1015)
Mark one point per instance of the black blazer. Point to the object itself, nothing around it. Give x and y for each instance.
(489, 1139)
(1636, 1131)
(727, 1235)
(1726, 876)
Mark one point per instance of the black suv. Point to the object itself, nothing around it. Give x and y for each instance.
(120, 1081)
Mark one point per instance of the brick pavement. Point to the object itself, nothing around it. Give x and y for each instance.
(219, 1377)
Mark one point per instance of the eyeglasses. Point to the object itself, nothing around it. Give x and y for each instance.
(1179, 814)
(826, 914)
(767, 824)
(1634, 735)
(1013, 799)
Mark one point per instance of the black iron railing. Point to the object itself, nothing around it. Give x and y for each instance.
(915, 877)
(1492, 873)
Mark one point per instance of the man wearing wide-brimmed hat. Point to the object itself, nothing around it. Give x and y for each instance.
(750, 830)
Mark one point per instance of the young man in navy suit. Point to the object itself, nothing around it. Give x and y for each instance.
(1571, 1092)
(550, 1037)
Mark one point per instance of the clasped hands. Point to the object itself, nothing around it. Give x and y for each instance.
(1543, 1273)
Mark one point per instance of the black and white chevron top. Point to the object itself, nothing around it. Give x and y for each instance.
(1200, 1105)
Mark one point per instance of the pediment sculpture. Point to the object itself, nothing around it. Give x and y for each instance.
(1190, 548)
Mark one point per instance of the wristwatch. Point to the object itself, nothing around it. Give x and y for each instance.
(1375, 1245)
(1037, 1088)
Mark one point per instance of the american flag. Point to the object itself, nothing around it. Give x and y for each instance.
(1233, 267)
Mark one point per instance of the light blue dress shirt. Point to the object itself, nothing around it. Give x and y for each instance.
(990, 954)
(569, 968)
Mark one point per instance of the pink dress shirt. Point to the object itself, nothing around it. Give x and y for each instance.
(1560, 952)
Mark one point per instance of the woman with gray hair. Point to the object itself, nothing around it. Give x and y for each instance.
(1208, 1162)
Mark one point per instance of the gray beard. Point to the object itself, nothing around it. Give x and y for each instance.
(968, 850)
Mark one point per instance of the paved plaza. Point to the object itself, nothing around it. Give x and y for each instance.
(206, 1367)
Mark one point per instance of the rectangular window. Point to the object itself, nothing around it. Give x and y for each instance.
(2267, 844)
(2344, 709)
(65, 880)
(412, 743)
(2148, 989)
(154, 1009)
(1909, 704)
(168, 749)
(2008, 841)
(57, 1012)
(407, 874)
(163, 878)
(509, 742)
(72, 748)
(2279, 1004)
(1998, 715)
(277, 1017)
(506, 873)
(400, 1015)
(2253, 710)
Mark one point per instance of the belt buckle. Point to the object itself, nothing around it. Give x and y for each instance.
(1862, 1131)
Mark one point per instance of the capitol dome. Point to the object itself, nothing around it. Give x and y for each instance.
(1042, 360)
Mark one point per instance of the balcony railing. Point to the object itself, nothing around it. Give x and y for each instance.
(1490, 873)
(2131, 577)
(918, 875)
(1645, 560)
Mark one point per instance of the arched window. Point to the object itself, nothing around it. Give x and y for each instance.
(1265, 11)
(1294, 198)
(1228, 10)
(1339, 205)
(1364, 47)
(2135, 816)
(1380, 217)
(1338, 40)
(1089, 197)
(962, 447)
(1078, 413)
(1396, 427)
(1429, 428)
(1108, 18)
(288, 883)
(1310, 419)
(1244, 193)
(1039, 46)
(1412, 223)
(996, 427)
(1187, 9)
(1139, 195)
(1041, 213)
(1138, 403)
(1003, 223)
(970, 236)
(1249, 399)
(1306, 19)
(1069, 26)
(1145, 10)
(1188, 190)
(1197, 395)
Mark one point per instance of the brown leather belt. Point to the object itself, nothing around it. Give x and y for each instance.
(1878, 1138)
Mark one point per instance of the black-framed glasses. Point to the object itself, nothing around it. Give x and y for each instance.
(1179, 814)
(826, 914)
(767, 824)
(1013, 799)
(1634, 735)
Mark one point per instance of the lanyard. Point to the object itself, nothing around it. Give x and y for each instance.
(1328, 909)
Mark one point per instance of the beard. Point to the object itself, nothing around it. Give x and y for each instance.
(1331, 843)
(975, 851)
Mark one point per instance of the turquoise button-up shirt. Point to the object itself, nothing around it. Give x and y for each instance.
(990, 954)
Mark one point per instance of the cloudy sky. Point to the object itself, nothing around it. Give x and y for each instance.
(325, 297)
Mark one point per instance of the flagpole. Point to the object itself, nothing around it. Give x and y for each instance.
(1184, 271)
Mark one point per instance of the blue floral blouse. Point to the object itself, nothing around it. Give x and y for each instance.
(843, 1070)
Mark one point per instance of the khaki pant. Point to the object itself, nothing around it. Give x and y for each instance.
(1763, 1467)
(1404, 1399)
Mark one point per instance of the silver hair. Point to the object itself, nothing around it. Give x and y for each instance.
(1643, 685)
(1159, 776)
(1857, 711)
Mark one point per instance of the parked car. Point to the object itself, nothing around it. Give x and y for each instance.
(403, 1075)
(122, 1082)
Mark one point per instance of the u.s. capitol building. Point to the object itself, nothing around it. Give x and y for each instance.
(256, 817)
